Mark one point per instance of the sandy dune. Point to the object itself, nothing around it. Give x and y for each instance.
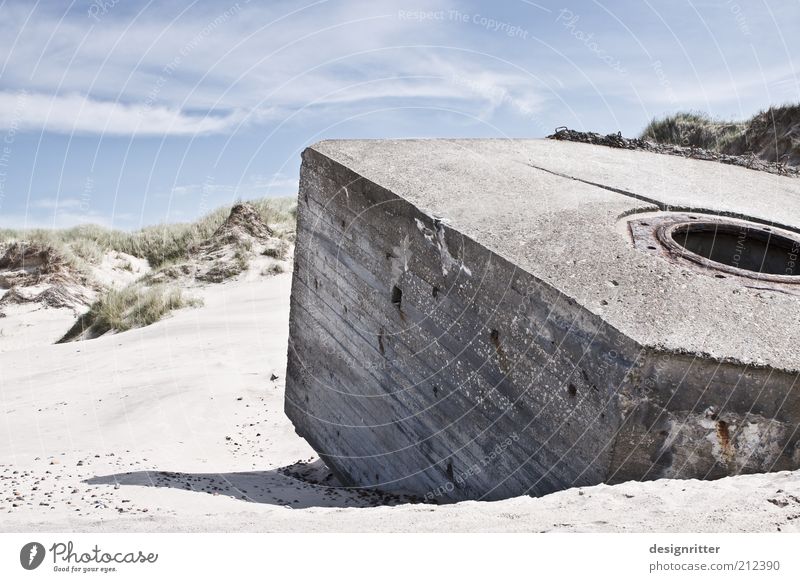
(179, 427)
(30, 324)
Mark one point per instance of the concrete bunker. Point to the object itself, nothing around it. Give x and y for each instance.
(483, 327)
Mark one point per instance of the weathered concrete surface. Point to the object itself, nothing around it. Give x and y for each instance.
(470, 319)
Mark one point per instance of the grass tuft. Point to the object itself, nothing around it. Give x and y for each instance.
(128, 308)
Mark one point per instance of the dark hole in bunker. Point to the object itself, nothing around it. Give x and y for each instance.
(749, 248)
(397, 295)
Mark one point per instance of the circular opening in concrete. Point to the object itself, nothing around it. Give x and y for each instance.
(741, 246)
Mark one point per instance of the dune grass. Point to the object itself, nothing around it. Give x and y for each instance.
(84, 245)
(144, 302)
(693, 129)
(771, 134)
(128, 308)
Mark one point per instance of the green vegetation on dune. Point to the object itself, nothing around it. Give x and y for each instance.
(772, 135)
(128, 308)
(690, 129)
(211, 240)
(82, 245)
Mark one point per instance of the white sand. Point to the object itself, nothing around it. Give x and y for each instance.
(127, 407)
(30, 325)
(118, 269)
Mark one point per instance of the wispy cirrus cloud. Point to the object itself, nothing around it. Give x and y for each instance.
(255, 186)
(78, 114)
(150, 73)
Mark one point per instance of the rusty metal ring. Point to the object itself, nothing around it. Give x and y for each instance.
(655, 234)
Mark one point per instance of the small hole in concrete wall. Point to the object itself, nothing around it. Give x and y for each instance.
(494, 335)
(343, 225)
(572, 391)
(380, 342)
(345, 308)
(450, 470)
(651, 247)
(435, 291)
(720, 276)
(397, 295)
(435, 390)
(316, 285)
(645, 223)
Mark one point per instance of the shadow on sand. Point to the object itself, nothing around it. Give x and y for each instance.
(298, 486)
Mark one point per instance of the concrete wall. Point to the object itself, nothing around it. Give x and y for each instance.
(421, 362)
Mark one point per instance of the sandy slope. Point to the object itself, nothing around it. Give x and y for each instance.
(179, 427)
(31, 324)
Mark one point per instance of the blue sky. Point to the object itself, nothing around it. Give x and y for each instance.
(128, 113)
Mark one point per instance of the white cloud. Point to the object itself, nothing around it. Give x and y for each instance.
(78, 114)
(255, 63)
(256, 186)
